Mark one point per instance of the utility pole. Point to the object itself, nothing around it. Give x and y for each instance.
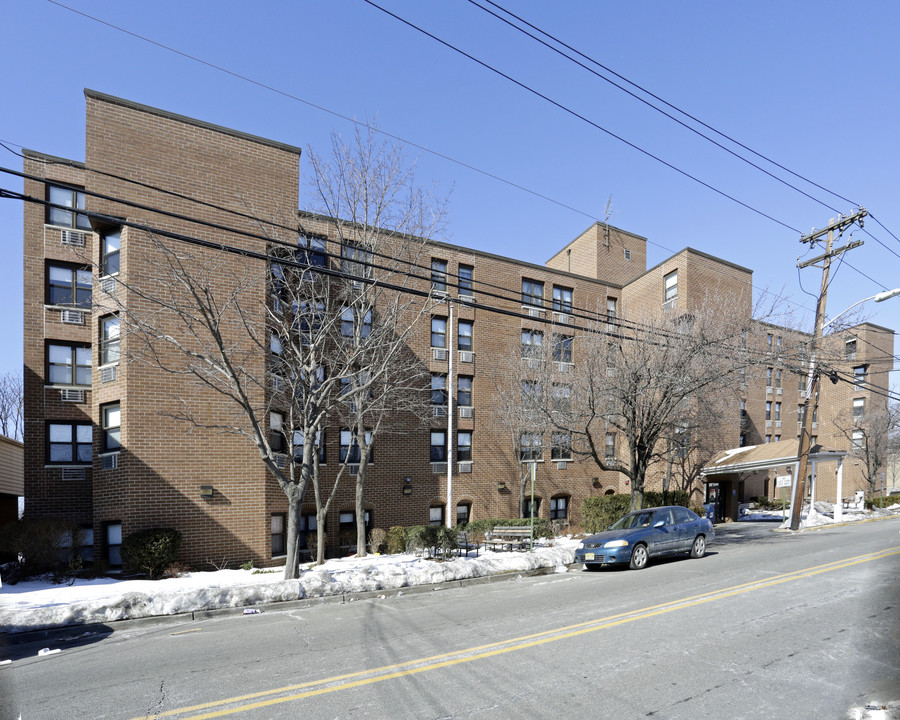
(810, 403)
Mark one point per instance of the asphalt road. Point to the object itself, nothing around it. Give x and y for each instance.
(767, 625)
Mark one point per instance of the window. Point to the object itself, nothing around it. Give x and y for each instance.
(769, 342)
(436, 515)
(561, 448)
(276, 432)
(277, 530)
(610, 446)
(532, 343)
(298, 446)
(463, 513)
(438, 332)
(275, 346)
(561, 397)
(778, 411)
(114, 544)
(530, 447)
(801, 383)
(109, 339)
(465, 335)
(349, 319)
(559, 507)
(68, 364)
(531, 508)
(768, 377)
(562, 348)
(778, 377)
(466, 274)
(350, 448)
(778, 341)
(464, 391)
(778, 438)
(438, 389)
(859, 376)
(858, 441)
(356, 260)
(311, 250)
(627, 254)
(438, 452)
(109, 253)
(347, 530)
(562, 299)
(69, 285)
(464, 446)
(670, 286)
(859, 407)
(531, 391)
(612, 312)
(850, 349)
(70, 198)
(307, 533)
(768, 438)
(532, 293)
(439, 275)
(69, 443)
(111, 417)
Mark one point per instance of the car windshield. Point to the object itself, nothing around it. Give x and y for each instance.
(634, 520)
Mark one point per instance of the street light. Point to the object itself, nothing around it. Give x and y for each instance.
(812, 399)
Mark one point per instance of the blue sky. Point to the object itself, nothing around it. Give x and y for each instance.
(811, 84)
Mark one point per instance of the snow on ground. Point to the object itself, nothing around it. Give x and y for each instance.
(37, 605)
(822, 514)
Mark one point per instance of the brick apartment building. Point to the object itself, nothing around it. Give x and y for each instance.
(103, 445)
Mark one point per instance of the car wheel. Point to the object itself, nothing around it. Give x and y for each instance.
(698, 549)
(639, 557)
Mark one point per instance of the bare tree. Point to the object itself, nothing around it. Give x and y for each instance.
(644, 381)
(11, 409)
(382, 219)
(871, 436)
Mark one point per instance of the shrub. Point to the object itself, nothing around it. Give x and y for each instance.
(47, 545)
(396, 540)
(434, 539)
(882, 502)
(152, 550)
(598, 513)
(376, 540)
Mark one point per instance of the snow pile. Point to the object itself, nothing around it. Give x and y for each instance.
(36, 605)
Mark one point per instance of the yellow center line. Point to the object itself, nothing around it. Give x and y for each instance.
(434, 662)
(185, 632)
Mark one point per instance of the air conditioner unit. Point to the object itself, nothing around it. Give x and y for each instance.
(561, 318)
(465, 467)
(467, 299)
(669, 304)
(466, 412)
(535, 312)
(357, 284)
(439, 468)
(438, 354)
(778, 423)
(768, 389)
(353, 469)
(109, 462)
(108, 373)
(562, 367)
(779, 391)
(466, 356)
(562, 465)
(440, 294)
(108, 285)
(768, 423)
(280, 460)
(533, 363)
(73, 237)
(72, 317)
(802, 394)
(67, 395)
(73, 474)
(439, 411)
(610, 372)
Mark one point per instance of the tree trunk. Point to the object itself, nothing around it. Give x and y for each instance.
(292, 561)
(321, 514)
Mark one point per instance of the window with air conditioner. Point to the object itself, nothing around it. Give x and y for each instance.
(532, 344)
(670, 286)
(464, 339)
(438, 276)
(531, 448)
(68, 363)
(109, 339)
(69, 443)
(356, 260)
(464, 391)
(561, 447)
(71, 199)
(532, 293)
(111, 419)
(69, 285)
(438, 332)
(350, 452)
(466, 274)
(562, 348)
(562, 299)
(438, 390)
(110, 246)
(464, 446)
(438, 449)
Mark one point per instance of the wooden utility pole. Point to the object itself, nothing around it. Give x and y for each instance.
(810, 403)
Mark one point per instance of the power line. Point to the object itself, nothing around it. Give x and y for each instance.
(581, 117)
(654, 107)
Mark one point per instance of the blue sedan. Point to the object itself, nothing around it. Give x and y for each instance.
(640, 535)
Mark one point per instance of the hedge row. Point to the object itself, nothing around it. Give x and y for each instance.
(598, 513)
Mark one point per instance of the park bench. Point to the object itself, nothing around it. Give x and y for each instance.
(508, 537)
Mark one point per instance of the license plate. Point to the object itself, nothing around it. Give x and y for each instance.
(589, 556)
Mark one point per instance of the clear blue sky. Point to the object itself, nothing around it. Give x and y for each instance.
(812, 84)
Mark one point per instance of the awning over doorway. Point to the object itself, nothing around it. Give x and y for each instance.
(763, 457)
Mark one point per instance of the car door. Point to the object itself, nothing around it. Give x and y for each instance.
(665, 536)
(686, 529)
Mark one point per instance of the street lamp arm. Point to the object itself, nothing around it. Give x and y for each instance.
(880, 297)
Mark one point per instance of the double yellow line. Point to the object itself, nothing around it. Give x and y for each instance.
(289, 693)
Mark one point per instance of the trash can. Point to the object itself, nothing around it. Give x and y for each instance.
(710, 511)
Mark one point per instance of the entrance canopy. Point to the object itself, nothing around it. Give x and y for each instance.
(763, 457)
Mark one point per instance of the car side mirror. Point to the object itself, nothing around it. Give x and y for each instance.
(659, 523)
